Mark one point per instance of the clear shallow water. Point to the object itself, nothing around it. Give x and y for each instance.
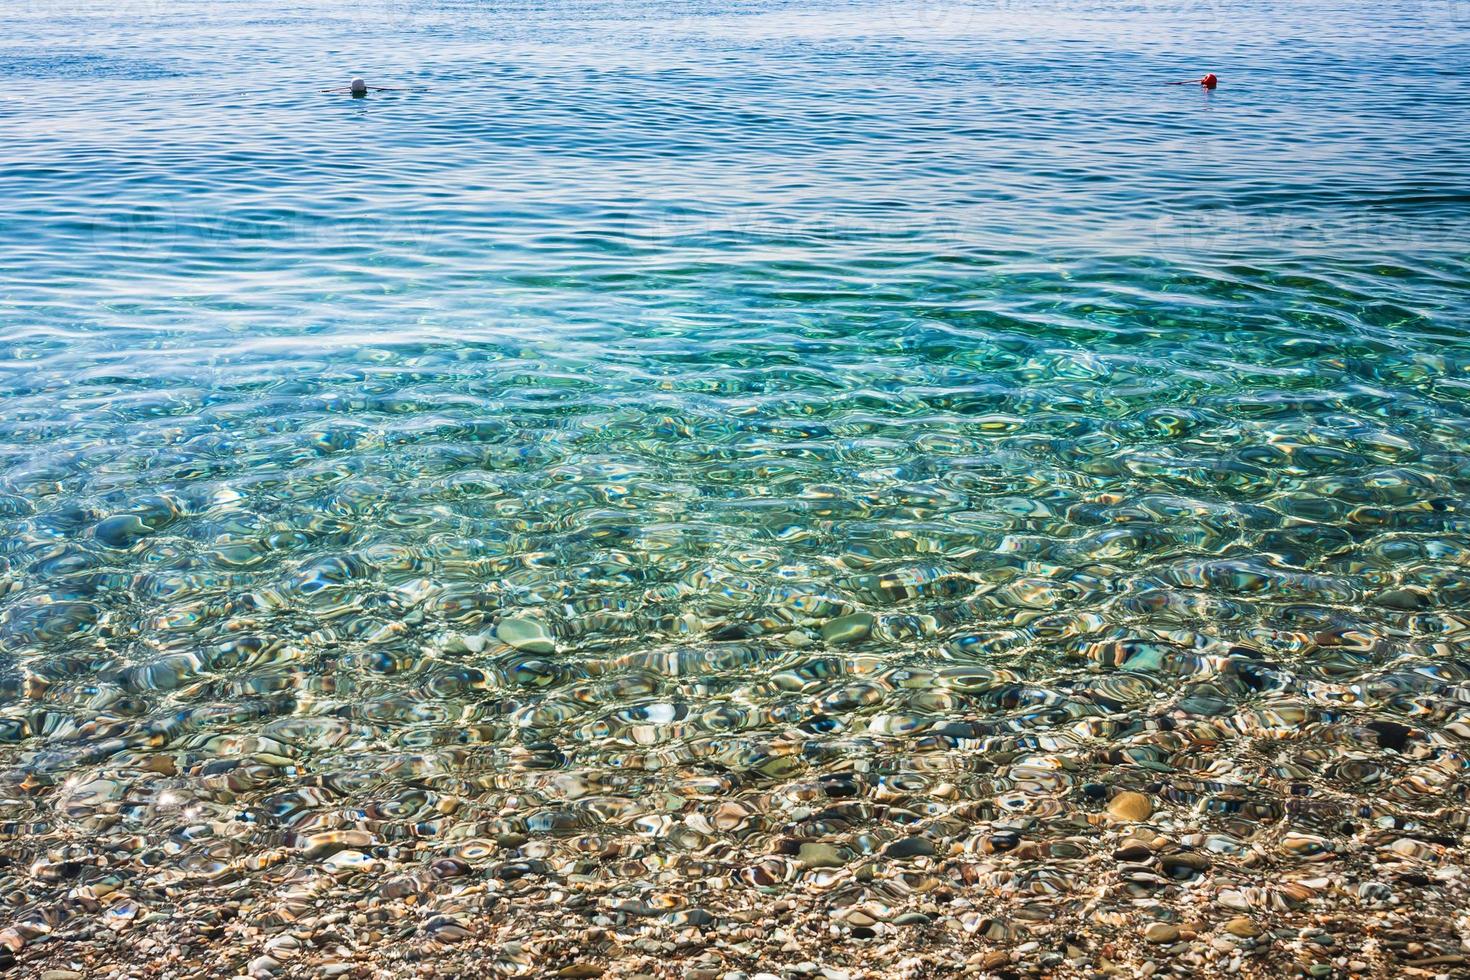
(1134, 416)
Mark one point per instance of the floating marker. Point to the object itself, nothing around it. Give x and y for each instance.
(1209, 81)
(359, 88)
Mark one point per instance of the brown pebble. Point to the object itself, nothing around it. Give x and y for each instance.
(1161, 932)
(1242, 927)
(1129, 805)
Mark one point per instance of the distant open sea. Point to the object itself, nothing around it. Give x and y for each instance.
(688, 454)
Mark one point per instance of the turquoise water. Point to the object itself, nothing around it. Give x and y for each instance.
(919, 404)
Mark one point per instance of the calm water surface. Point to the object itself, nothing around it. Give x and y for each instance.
(656, 420)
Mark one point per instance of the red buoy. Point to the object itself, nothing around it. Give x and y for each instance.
(1209, 81)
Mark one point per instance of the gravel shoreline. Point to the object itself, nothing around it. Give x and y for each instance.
(1393, 908)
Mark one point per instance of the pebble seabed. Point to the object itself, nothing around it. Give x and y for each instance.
(1136, 898)
(304, 736)
(1077, 865)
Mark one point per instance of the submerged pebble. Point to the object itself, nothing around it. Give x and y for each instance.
(848, 629)
(1130, 806)
(1161, 932)
(527, 635)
